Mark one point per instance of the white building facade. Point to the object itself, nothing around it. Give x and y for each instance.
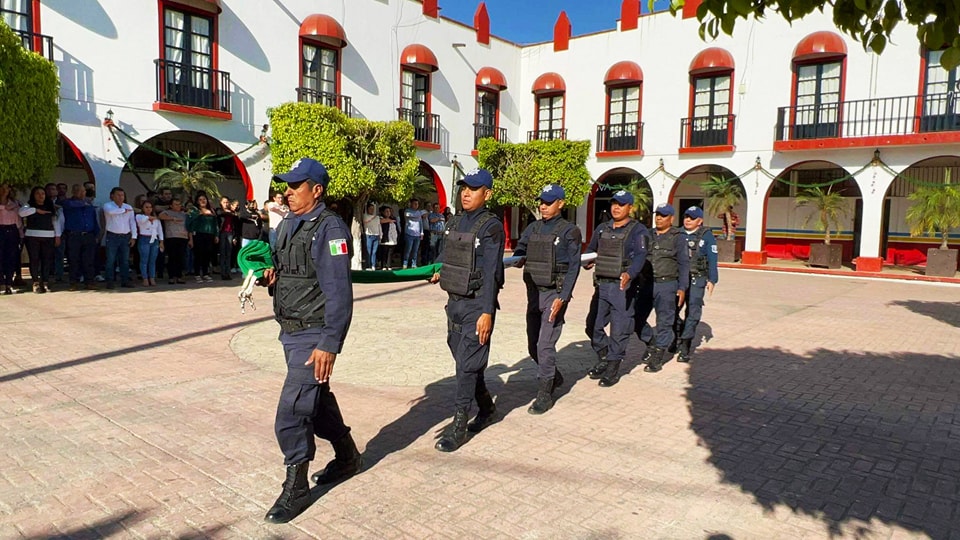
(781, 107)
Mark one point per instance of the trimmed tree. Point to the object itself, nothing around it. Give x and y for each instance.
(366, 160)
(29, 113)
(521, 170)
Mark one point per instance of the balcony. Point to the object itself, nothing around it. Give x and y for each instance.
(486, 131)
(426, 127)
(309, 95)
(705, 134)
(906, 120)
(38, 43)
(193, 90)
(620, 139)
(547, 135)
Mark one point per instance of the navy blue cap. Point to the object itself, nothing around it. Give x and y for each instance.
(623, 197)
(694, 212)
(305, 169)
(552, 193)
(664, 210)
(477, 178)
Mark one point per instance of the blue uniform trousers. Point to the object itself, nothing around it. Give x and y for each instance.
(665, 305)
(470, 356)
(694, 309)
(542, 335)
(307, 409)
(615, 307)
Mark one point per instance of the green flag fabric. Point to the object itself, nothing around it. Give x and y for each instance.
(255, 256)
(395, 276)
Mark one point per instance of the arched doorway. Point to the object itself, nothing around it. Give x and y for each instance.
(72, 166)
(429, 187)
(155, 153)
(897, 246)
(688, 191)
(598, 202)
(789, 229)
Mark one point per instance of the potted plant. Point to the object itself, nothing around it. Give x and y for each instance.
(831, 210)
(722, 194)
(936, 209)
(189, 176)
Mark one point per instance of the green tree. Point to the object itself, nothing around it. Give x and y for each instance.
(189, 177)
(868, 21)
(642, 196)
(29, 113)
(521, 170)
(935, 209)
(831, 209)
(722, 195)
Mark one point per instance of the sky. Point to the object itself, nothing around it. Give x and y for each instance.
(531, 21)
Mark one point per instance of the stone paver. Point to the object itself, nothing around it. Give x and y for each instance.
(817, 406)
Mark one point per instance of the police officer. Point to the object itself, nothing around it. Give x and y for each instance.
(313, 302)
(472, 275)
(671, 276)
(621, 248)
(702, 250)
(551, 250)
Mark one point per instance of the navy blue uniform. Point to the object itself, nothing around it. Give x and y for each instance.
(463, 311)
(542, 334)
(705, 249)
(610, 304)
(664, 300)
(308, 408)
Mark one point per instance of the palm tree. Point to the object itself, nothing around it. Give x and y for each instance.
(935, 209)
(189, 176)
(642, 197)
(722, 195)
(831, 209)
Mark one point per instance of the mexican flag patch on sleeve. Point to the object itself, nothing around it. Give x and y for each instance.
(338, 247)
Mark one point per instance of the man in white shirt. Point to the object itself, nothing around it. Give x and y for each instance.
(121, 234)
(413, 233)
(277, 210)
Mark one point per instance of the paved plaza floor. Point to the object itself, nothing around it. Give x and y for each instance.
(814, 407)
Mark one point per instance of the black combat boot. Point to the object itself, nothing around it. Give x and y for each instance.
(347, 462)
(455, 434)
(684, 356)
(557, 380)
(487, 409)
(648, 353)
(544, 401)
(656, 361)
(597, 370)
(295, 496)
(612, 375)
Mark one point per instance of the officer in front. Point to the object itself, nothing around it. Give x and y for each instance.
(621, 248)
(313, 302)
(550, 248)
(704, 274)
(472, 275)
(671, 276)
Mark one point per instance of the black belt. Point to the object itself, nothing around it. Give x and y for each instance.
(79, 232)
(665, 279)
(289, 326)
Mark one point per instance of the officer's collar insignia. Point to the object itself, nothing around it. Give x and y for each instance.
(476, 243)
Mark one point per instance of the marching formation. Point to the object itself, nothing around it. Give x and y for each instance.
(636, 271)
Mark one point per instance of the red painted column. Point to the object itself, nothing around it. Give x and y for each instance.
(481, 23)
(561, 32)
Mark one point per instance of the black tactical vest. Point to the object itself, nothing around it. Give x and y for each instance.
(612, 257)
(663, 255)
(40, 222)
(541, 264)
(297, 300)
(698, 263)
(462, 262)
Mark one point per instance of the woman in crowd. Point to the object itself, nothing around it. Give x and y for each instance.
(203, 229)
(371, 232)
(42, 236)
(388, 236)
(176, 238)
(10, 224)
(149, 242)
(229, 236)
(251, 223)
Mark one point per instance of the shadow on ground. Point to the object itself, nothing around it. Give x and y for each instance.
(841, 436)
(945, 312)
(104, 528)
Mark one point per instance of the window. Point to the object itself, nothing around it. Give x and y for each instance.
(319, 74)
(623, 119)
(817, 102)
(941, 112)
(711, 111)
(188, 40)
(18, 14)
(488, 105)
(415, 102)
(550, 117)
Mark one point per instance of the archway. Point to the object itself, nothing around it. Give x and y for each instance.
(431, 190)
(688, 191)
(788, 231)
(598, 202)
(897, 247)
(137, 175)
(72, 166)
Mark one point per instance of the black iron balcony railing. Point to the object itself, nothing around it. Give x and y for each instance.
(707, 131)
(309, 95)
(546, 135)
(192, 86)
(620, 137)
(486, 131)
(903, 115)
(38, 43)
(426, 127)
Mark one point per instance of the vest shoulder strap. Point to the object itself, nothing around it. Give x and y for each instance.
(481, 221)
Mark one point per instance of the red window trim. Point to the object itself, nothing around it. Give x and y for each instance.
(813, 62)
(429, 75)
(624, 84)
(496, 117)
(706, 149)
(35, 16)
(320, 45)
(214, 57)
(536, 110)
